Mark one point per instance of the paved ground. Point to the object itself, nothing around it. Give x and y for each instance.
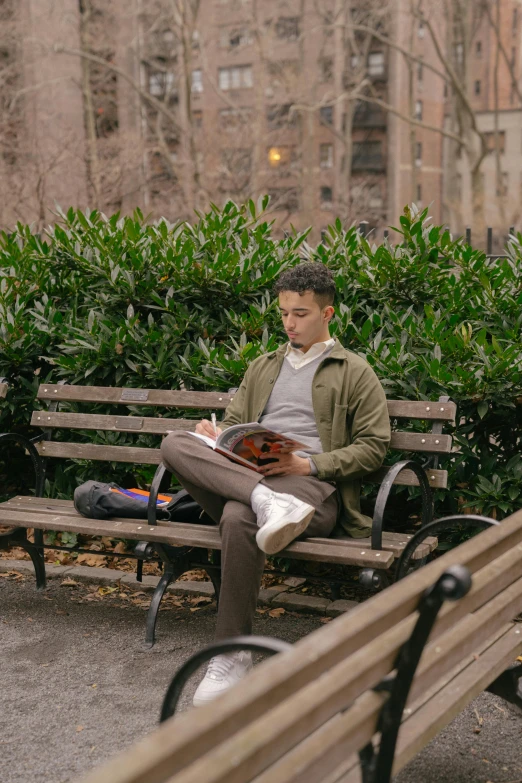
(77, 687)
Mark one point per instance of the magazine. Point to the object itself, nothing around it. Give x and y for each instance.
(251, 444)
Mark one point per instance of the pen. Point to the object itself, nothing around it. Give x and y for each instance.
(213, 417)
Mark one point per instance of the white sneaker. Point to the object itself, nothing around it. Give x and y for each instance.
(223, 672)
(281, 518)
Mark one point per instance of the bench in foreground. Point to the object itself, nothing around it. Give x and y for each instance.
(310, 714)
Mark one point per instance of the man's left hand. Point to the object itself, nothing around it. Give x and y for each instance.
(287, 465)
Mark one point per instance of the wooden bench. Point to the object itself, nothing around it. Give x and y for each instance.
(182, 546)
(3, 388)
(328, 709)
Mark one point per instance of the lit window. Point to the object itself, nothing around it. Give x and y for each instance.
(279, 156)
(418, 110)
(376, 63)
(235, 78)
(197, 80)
(326, 156)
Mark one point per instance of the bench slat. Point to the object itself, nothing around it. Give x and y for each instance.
(418, 409)
(201, 536)
(3, 390)
(185, 739)
(128, 396)
(408, 409)
(392, 542)
(100, 452)
(146, 456)
(98, 421)
(436, 478)
(402, 441)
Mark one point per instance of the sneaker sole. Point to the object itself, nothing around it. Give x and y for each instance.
(273, 538)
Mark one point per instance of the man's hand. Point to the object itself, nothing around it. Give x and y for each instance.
(287, 465)
(204, 427)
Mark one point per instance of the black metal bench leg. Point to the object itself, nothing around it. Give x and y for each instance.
(152, 614)
(36, 555)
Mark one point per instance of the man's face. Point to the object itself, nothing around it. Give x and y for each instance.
(305, 322)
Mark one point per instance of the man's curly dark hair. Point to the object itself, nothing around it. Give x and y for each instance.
(313, 276)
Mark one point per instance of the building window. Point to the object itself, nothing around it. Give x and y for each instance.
(161, 83)
(478, 48)
(367, 156)
(418, 153)
(197, 119)
(326, 69)
(235, 37)
(287, 27)
(418, 110)
(326, 115)
(236, 78)
(477, 87)
(459, 53)
(375, 197)
(197, 80)
(419, 195)
(326, 156)
(237, 161)
(491, 141)
(376, 63)
(326, 197)
(280, 156)
(420, 72)
(281, 116)
(354, 61)
(421, 30)
(284, 199)
(232, 119)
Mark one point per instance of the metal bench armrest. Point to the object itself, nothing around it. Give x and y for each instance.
(384, 493)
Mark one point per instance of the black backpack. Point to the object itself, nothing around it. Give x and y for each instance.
(95, 500)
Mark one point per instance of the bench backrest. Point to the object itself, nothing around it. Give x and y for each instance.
(428, 443)
(298, 715)
(3, 390)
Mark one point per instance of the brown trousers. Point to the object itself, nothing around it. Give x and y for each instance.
(223, 488)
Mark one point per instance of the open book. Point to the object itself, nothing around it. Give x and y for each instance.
(251, 444)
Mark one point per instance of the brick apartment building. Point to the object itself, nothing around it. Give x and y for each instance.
(249, 98)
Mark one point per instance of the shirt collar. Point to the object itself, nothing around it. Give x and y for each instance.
(316, 348)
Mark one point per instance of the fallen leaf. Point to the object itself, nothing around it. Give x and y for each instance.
(79, 728)
(68, 582)
(94, 685)
(107, 590)
(91, 560)
(277, 612)
(261, 611)
(120, 548)
(325, 619)
(200, 600)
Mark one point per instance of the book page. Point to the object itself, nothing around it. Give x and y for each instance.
(204, 438)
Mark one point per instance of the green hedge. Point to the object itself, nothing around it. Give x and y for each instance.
(121, 302)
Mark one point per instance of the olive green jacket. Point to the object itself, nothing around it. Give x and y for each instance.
(351, 415)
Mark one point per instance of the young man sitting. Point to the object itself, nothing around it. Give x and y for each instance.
(310, 389)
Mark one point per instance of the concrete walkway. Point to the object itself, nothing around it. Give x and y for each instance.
(77, 686)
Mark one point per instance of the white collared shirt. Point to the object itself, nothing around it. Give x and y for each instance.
(298, 359)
